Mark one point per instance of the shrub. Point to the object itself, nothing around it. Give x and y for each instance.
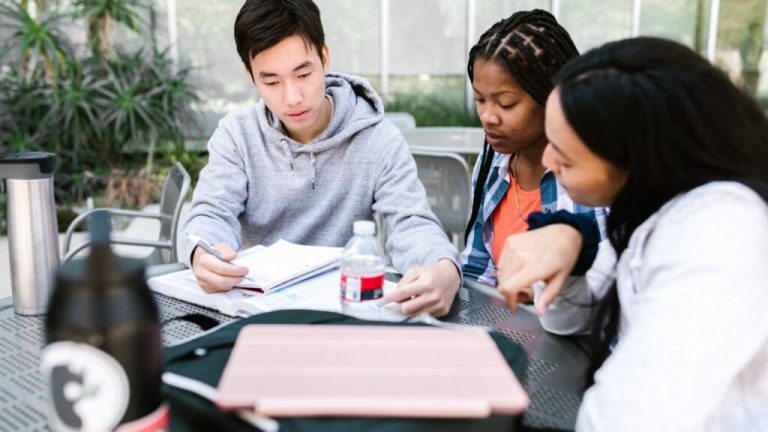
(105, 112)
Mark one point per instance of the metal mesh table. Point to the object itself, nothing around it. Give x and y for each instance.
(554, 371)
(556, 366)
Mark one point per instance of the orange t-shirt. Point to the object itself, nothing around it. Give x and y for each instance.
(506, 221)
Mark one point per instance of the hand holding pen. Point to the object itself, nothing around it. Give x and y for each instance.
(213, 267)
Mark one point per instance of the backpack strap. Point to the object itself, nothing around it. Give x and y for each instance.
(205, 322)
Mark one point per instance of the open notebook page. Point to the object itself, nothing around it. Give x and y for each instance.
(320, 292)
(283, 262)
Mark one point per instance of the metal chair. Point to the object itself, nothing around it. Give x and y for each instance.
(446, 178)
(403, 120)
(174, 191)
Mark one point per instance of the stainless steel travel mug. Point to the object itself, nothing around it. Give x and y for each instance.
(33, 240)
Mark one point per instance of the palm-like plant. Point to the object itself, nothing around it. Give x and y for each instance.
(38, 41)
(129, 117)
(100, 15)
(22, 107)
(75, 109)
(176, 96)
(147, 103)
(96, 111)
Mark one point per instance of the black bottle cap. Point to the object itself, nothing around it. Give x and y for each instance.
(27, 165)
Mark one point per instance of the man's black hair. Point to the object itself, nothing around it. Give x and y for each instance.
(262, 24)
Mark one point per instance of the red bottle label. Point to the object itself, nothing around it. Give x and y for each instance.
(357, 289)
(157, 421)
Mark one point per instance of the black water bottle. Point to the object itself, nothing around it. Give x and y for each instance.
(103, 360)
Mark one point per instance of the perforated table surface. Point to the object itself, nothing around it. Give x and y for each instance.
(555, 369)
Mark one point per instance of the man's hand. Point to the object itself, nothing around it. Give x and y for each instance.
(429, 288)
(547, 254)
(214, 275)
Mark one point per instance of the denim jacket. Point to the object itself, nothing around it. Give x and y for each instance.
(477, 262)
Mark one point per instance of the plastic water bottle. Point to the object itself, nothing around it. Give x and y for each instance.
(362, 273)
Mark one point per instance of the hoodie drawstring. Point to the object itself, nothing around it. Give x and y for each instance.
(287, 151)
(312, 169)
(289, 155)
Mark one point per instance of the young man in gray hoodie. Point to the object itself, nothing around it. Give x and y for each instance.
(313, 156)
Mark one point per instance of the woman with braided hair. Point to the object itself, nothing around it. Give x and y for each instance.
(511, 68)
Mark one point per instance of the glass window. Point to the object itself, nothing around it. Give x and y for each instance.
(592, 23)
(158, 24)
(427, 60)
(427, 37)
(741, 44)
(206, 44)
(352, 32)
(428, 47)
(490, 11)
(683, 21)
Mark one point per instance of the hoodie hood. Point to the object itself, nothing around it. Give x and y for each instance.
(356, 106)
(260, 186)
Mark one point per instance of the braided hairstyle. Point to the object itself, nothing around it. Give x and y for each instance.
(532, 46)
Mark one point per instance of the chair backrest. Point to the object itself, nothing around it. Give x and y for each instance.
(172, 197)
(403, 120)
(446, 178)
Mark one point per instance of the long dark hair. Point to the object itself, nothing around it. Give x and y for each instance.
(532, 46)
(675, 122)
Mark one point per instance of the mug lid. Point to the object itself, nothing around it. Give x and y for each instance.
(27, 165)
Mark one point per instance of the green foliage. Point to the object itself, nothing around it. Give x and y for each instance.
(734, 20)
(95, 111)
(99, 16)
(122, 11)
(193, 160)
(433, 110)
(64, 217)
(435, 101)
(146, 103)
(20, 111)
(37, 42)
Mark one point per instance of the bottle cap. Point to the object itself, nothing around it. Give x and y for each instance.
(27, 166)
(364, 227)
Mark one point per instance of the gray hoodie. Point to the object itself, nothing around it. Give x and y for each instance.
(260, 185)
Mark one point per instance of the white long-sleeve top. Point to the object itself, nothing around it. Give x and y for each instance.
(692, 353)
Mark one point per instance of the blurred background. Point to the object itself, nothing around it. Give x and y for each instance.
(414, 51)
(122, 89)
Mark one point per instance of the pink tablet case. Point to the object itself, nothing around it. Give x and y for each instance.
(336, 370)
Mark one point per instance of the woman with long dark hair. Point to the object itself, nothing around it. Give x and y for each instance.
(680, 319)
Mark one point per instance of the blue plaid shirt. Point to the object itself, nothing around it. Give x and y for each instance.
(477, 262)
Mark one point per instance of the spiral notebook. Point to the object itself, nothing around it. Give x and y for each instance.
(272, 268)
(277, 266)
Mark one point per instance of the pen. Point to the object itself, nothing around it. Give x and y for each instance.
(206, 247)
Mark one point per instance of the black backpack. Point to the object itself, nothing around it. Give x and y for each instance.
(203, 359)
